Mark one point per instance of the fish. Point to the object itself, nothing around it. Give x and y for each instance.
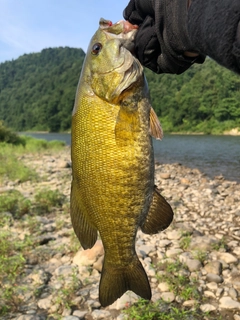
(113, 192)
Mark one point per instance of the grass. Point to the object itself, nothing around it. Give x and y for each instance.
(46, 199)
(183, 287)
(63, 297)
(13, 147)
(200, 255)
(12, 167)
(38, 145)
(179, 284)
(221, 244)
(14, 202)
(185, 241)
(12, 264)
(14, 251)
(160, 310)
(19, 213)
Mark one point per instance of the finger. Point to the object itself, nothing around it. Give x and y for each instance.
(147, 46)
(137, 10)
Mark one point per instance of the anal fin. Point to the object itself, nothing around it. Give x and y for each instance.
(160, 215)
(85, 232)
(155, 126)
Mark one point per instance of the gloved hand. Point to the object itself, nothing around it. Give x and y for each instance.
(162, 39)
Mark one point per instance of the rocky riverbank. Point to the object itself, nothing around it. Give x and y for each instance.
(193, 266)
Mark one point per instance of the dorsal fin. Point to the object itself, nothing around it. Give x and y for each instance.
(155, 126)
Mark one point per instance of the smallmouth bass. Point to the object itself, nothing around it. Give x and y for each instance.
(113, 189)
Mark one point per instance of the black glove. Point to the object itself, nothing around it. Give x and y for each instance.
(214, 28)
(162, 37)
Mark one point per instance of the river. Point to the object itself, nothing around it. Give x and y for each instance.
(213, 155)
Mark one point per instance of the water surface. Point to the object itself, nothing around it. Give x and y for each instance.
(213, 155)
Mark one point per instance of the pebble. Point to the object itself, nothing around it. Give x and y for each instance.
(199, 204)
(89, 257)
(168, 296)
(101, 314)
(165, 175)
(227, 257)
(163, 286)
(214, 278)
(173, 252)
(45, 303)
(189, 303)
(214, 267)
(193, 265)
(207, 307)
(233, 293)
(229, 303)
(80, 314)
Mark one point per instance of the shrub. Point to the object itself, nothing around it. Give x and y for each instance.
(8, 136)
(12, 167)
(14, 202)
(46, 199)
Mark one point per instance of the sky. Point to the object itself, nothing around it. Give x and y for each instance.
(28, 26)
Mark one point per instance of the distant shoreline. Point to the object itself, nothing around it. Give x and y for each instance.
(232, 132)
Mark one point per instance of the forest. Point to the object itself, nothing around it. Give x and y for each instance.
(37, 93)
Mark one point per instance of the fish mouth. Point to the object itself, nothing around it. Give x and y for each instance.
(123, 30)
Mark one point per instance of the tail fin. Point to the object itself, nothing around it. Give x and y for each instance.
(116, 281)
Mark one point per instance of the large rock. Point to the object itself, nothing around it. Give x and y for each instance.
(214, 267)
(227, 257)
(229, 303)
(89, 256)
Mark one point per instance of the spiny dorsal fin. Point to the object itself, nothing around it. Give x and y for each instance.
(155, 126)
(160, 215)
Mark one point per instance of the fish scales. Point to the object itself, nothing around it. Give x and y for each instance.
(112, 161)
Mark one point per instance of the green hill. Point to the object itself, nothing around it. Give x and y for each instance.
(37, 92)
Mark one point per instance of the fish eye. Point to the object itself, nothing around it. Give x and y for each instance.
(96, 48)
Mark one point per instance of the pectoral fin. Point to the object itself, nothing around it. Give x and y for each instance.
(85, 232)
(160, 215)
(155, 126)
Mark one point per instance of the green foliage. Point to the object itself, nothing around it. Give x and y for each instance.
(46, 199)
(144, 310)
(8, 136)
(34, 145)
(185, 241)
(37, 92)
(206, 98)
(12, 264)
(200, 255)
(12, 167)
(64, 296)
(14, 202)
(178, 283)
